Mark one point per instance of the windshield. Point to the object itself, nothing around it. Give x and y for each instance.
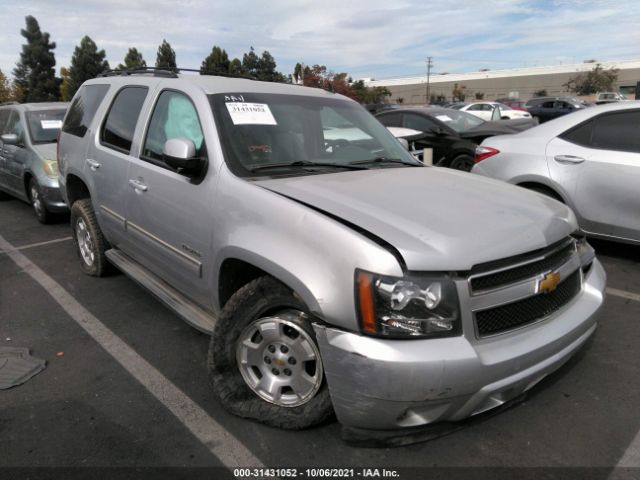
(44, 125)
(275, 134)
(458, 120)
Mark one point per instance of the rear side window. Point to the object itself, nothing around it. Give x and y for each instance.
(580, 135)
(83, 108)
(4, 117)
(416, 122)
(391, 120)
(617, 131)
(120, 124)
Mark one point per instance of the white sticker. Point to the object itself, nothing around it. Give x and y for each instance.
(444, 118)
(51, 124)
(250, 113)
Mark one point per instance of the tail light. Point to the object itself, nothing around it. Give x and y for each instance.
(482, 153)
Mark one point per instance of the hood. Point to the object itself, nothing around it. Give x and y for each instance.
(438, 219)
(46, 151)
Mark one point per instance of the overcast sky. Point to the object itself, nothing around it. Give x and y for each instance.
(369, 38)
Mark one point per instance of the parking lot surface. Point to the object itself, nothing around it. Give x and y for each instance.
(126, 386)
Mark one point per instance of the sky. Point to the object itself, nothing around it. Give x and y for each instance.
(364, 38)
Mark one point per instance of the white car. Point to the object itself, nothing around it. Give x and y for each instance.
(589, 160)
(494, 111)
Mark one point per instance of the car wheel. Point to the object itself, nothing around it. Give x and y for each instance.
(37, 202)
(264, 362)
(462, 162)
(89, 241)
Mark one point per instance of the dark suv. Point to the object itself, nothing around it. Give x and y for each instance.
(548, 108)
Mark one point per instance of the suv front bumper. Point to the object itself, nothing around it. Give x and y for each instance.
(383, 384)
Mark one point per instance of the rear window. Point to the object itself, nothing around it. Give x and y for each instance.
(83, 108)
(44, 125)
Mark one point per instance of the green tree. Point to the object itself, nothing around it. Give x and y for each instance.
(250, 62)
(133, 60)
(87, 62)
(596, 80)
(540, 93)
(6, 90)
(64, 86)
(297, 73)
(166, 56)
(217, 63)
(479, 95)
(267, 69)
(235, 68)
(34, 73)
(369, 95)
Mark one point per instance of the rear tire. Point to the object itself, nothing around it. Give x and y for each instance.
(545, 191)
(462, 162)
(294, 394)
(89, 240)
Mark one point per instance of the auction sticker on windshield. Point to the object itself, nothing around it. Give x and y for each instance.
(250, 113)
(444, 118)
(51, 124)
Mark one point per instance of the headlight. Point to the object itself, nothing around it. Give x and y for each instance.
(50, 168)
(586, 251)
(409, 307)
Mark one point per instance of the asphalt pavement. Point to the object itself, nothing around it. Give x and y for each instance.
(125, 391)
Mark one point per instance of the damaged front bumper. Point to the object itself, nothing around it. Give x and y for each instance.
(379, 384)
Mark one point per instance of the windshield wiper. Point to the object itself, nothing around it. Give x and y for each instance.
(385, 160)
(305, 163)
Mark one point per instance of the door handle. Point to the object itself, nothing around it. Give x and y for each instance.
(568, 159)
(93, 164)
(138, 185)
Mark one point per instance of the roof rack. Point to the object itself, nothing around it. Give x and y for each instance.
(155, 71)
(169, 72)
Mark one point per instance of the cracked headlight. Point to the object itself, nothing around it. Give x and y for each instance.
(414, 306)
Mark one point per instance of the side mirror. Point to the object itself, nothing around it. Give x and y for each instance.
(180, 153)
(10, 139)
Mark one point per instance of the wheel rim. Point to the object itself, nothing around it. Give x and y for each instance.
(36, 201)
(279, 360)
(85, 244)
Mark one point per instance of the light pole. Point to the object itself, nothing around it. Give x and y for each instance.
(429, 65)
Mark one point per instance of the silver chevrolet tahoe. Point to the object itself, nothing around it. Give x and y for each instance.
(334, 272)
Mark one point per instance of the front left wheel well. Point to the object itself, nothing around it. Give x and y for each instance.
(234, 274)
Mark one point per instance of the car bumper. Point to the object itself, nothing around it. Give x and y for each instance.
(52, 198)
(382, 384)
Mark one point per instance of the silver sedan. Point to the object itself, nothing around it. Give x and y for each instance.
(589, 160)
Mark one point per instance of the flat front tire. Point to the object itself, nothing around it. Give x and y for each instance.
(89, 241)
(264, 362)
(37, 202)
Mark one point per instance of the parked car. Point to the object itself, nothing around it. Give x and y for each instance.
(609, 97)
(453, 135)
(513, 103)
(589, 160)
(332, 274)
(548, 108)
(493, 110)
(28, 165)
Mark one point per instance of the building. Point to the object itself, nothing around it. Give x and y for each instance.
(521, 83)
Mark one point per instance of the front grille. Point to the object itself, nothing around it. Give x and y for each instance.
(554, 256)
(531, 309)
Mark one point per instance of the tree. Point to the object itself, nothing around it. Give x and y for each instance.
(87, 62)
(6, 91)
(217, 63)
(250, 62)
(133, 60)
(166, 56)
(34, 73)
(235, 68)
(64, 86)
(458, 93)
(597, 80)
(479, 95)
(540, 93)
(368, 95)
(297, 73)
(266, 69)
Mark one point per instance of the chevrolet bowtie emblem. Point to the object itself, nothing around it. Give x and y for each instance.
(549, 282)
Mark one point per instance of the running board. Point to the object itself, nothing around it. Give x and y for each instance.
(190, 312)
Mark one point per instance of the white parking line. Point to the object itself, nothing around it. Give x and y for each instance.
(623, 294)
(39, 244)
(631, 457)
(227, 448)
